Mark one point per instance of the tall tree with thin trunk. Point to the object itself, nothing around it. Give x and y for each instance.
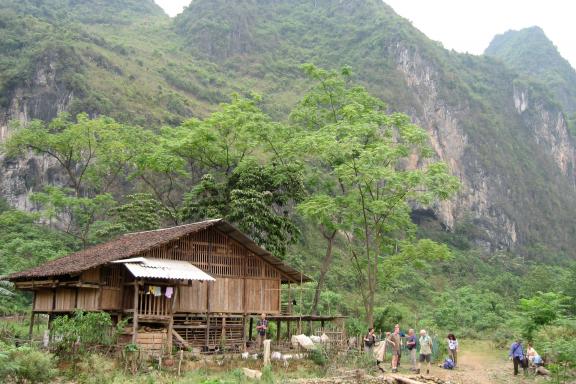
(368, 167)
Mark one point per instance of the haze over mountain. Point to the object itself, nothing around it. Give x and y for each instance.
(498, 122)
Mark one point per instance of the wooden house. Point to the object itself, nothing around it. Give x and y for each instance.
(196, 284)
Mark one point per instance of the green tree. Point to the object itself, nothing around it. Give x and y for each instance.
(93, 154)
(540, 310)
(370, 167)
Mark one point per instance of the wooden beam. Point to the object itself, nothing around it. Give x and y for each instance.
(180, 339)
(135, 316)
(32, 315)
(278, 325)
(170, 333)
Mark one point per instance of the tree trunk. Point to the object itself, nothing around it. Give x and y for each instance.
(326, 262)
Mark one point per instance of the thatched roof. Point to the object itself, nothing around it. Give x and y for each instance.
(133, 244)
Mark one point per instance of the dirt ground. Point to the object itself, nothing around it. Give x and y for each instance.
(480, 363)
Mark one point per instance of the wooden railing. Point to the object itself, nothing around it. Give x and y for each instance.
(150, 305)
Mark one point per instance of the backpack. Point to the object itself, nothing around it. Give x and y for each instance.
(448, 363)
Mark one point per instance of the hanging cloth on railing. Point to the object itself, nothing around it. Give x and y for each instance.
(157, 291)
(169, 292)
(150, 290)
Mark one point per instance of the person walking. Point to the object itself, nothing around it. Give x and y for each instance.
(516, 354)
(411, 345)
(425, 351)
(396, 344)
(453, 348)
(369, 340)
(261, 329)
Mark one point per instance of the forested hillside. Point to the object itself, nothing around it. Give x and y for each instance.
(115, 118)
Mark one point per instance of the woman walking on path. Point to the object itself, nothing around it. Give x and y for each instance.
(411, 345)
(453, 348)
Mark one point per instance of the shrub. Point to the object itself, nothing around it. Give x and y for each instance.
(96, 369)
(319, 356)
(77, 334)
(26, 365)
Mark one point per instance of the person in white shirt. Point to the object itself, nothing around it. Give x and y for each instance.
(453, 348)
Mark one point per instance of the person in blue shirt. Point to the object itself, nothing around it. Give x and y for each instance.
(516, 354)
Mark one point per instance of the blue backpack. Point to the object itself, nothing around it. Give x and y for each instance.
(448, 363)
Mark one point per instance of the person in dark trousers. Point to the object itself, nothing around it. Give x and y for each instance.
(516, 354)
(369, 340)
(261, 329)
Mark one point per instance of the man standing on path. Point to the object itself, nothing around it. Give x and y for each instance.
(411, 345)
(516, 354)
(261, 329)
(395, 340)
(425, 351)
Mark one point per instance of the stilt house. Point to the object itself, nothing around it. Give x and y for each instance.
(196, 284)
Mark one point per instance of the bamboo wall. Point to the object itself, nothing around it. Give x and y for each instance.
(245, 283)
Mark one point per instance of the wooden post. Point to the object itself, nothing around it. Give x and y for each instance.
(135, 317)
(207, 340)
(278, 325)
(31, 329)
(53, 299)
(289, 309)
(250, 329)
(170, 329)
(244, 333)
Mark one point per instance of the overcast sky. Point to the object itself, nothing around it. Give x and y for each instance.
(469, 26)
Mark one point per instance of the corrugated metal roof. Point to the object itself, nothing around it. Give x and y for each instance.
(164, 269)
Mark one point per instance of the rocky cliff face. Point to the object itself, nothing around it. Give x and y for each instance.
(42, 97)
(501, 134)
(481, 189)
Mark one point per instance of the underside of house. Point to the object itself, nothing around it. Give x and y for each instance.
(197, 285)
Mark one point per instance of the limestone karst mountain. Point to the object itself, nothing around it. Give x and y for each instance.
(504, 134)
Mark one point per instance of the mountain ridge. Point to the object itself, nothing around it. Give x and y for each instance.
(500, 132)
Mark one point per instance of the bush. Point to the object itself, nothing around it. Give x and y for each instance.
(319, 356)
(25, 365)
(96, 369)
(82, 331)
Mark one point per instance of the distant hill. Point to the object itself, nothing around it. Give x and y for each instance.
(529, 52)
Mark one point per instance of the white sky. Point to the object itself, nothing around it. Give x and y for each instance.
(470, 25)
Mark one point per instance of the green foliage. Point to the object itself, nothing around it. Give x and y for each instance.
(355, 151)
(540, 310)
(81, 332)
(319, 355)
(557, 343)
(268, 376)
(465, 309)
(96, 369)
(25, 365)
(24, 243)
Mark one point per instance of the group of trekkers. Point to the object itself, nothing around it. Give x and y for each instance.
(396, 340)
(524, 358)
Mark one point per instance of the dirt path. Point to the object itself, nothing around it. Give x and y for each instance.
(480, 363)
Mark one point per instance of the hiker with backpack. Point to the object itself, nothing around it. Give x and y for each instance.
(453, 348)
(516, 354)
